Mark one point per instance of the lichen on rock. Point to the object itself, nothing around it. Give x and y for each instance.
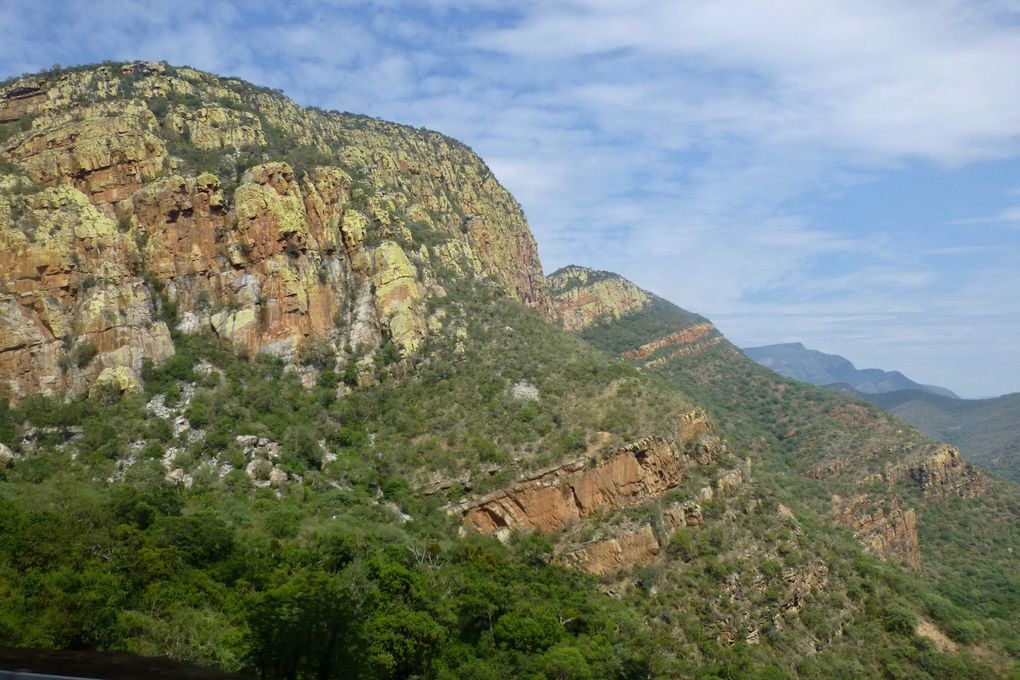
(259, 255)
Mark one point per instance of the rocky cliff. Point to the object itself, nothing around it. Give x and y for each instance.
(141, 199)
(884, 528)
(582, 297)
(586, 301)
(553, 499)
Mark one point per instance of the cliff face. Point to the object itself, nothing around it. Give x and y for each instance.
(586, 299)
(885, 529)
(143, 195)
(594, 492)
(582, 297)
(633, 546)
(946, 473)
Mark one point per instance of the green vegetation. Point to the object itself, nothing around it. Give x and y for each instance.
(330, 552)
(321, 579)
(968, 546)
(653, 321)
(986, 430)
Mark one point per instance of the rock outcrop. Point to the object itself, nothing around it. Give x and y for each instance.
(107, 150)
(553, 499)
(111, 233)
(6, 456)
(883, 527)
(683, 342)
(582, 297)
(946, 473)
(631, 547)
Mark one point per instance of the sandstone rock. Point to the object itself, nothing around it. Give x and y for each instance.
(180, 477)
(729, 480)
(6, 456)
(280, 265)
(946, 473)
(106, 151)
(397, 296)
(683, 342)
(628, 549)
(582, 297)
(122, 380)
(884, 528)
(524, 391)
(277, 477)
(259, 469)
(212, 127)
(684, 514)
(72, 282)
(552, 500)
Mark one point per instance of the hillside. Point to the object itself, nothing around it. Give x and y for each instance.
(283, 395)
(794, 360)
(870, 471)
(988, 430)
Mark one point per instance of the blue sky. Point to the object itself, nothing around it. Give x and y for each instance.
(844, 173)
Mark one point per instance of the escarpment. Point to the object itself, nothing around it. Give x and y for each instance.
(140, 199)
(553, 499)
(846, 445)
(587, 302)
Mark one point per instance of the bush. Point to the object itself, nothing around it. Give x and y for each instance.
(316, 352)
(83, 353)
(898, 619)
(529, 629)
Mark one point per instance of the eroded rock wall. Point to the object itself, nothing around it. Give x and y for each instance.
(106, 214)
(883, 526)
(553, 499)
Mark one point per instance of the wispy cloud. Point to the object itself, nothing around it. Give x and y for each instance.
(1009, 216)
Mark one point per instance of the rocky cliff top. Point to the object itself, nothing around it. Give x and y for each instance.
(138, 200)
(583, 297)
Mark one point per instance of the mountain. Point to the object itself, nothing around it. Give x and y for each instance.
(263, 223)
(285, 392)
(794, 360)
(988, 430)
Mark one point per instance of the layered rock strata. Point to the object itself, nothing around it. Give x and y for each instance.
(553, 499)
(884, 528)
(631, 547)
(681, 343)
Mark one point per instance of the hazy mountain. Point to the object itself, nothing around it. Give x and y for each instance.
(794, 360)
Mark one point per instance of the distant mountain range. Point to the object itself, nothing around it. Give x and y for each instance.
(794, 360)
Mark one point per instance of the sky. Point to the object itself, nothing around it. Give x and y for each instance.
(843, 173)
